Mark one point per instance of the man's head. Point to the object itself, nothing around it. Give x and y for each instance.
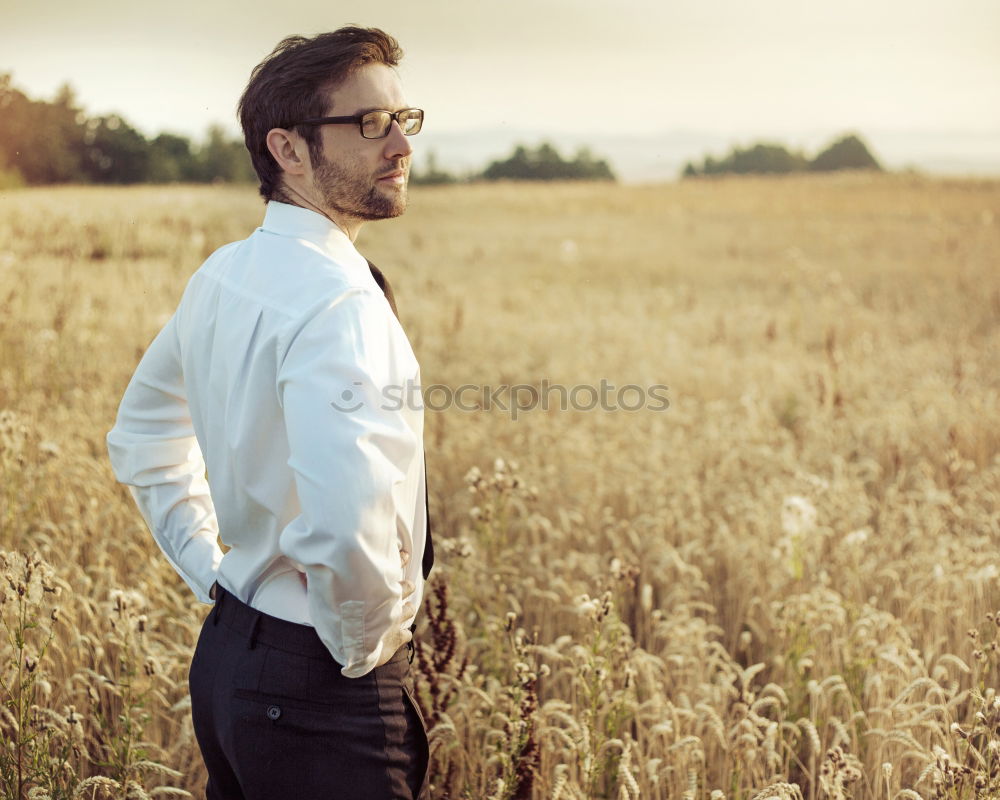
(331, 166)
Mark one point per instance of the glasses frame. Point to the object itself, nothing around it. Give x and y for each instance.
(358, 120)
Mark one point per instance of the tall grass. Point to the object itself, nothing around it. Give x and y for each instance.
(783, 585)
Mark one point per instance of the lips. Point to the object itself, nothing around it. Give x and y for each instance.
(396, 176)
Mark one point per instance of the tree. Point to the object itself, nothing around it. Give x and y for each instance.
(55, 142)
(518, 166)
(115, 151)
(42, 142)
(223, 159)
(591, 167)
(432, 175)
(848, 152)
(544, 164)
(171, 159)
(761, 158)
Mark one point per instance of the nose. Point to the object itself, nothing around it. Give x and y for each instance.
(397, 143)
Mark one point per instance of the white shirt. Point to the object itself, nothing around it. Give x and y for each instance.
(314, 501)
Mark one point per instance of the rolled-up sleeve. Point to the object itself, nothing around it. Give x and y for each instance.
(153, 448)
(349, 450)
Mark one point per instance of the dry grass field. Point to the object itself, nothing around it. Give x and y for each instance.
(785, 584)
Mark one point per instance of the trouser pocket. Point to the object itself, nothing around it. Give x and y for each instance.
(423, 744)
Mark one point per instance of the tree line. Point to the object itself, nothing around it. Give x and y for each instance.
(847, 152)
(541, 163)
(44, 142)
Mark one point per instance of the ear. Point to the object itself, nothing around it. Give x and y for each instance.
(289, 150)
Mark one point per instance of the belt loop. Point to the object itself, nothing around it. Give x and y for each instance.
(219, 597)
(252, 643)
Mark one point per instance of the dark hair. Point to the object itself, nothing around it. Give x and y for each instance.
(292, 84)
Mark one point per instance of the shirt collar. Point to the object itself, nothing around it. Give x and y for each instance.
(285, 219)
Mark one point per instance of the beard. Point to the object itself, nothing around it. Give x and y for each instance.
(354, 192)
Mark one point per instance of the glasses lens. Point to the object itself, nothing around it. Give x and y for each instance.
(375, 124)
(411, 120)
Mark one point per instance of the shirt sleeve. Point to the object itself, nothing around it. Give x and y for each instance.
(348, 449)
(153, 449)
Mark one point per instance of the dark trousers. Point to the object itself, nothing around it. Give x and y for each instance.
(275, 718)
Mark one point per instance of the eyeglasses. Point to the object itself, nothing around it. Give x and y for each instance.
(376, 124)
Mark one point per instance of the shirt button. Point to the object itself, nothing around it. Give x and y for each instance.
(273, 712)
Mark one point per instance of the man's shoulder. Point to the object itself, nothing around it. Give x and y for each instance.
(288, 274)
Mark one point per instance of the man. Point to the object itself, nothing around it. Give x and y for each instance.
(273, 373)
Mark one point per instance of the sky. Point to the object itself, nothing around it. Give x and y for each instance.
(791, 70)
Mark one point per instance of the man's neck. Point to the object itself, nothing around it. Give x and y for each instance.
(286, 194)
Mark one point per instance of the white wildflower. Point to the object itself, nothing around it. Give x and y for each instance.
(858, 537)
(798, 516)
